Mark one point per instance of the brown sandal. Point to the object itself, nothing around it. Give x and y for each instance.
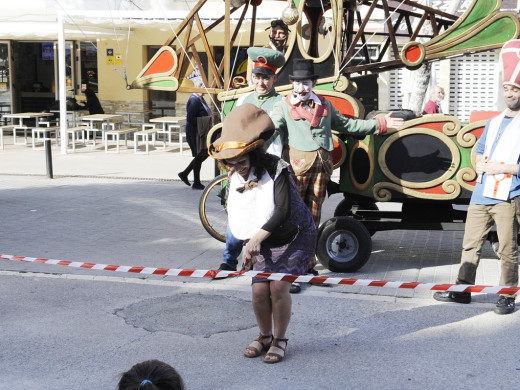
(260, 344)
(276, 351)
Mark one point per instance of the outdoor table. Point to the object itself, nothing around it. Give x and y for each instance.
(167, 123)
(21, 116)
(141, 112)
(104, 119)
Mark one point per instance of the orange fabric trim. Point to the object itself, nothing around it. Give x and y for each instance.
(262, 65)
(230, 145)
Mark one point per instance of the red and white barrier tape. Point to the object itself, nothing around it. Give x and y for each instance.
(196, 273)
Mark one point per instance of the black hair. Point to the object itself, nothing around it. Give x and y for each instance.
(258, 159)
(151, 375)
(280, 23)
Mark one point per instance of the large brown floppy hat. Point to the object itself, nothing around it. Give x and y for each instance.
(245, 128)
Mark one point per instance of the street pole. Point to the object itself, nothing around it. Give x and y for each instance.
(48, 153)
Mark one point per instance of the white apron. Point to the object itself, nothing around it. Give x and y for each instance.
(250, 210)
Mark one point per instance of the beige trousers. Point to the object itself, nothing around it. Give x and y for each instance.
(479, 221)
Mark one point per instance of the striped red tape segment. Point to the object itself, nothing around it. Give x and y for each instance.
(195, 273)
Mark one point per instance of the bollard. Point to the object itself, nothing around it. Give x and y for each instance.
(48, 153)
(217, 170)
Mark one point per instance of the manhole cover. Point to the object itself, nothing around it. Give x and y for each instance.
(190, 314)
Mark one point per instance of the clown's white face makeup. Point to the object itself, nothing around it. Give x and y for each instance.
(302, 89)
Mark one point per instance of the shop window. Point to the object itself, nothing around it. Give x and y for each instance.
(89, 69)
(5, 93)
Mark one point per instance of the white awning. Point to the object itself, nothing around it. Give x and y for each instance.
(37, 19)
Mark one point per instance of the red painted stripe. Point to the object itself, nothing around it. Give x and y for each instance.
(318, 279)
(160, 271)
(509, 290)
(267, 275)
(212, 273)
(411, 285)
(476, 289)
(441, 287)
(377, 283)
(348, 281)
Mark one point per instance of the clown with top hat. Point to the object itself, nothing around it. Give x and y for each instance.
(495, 199)
(265, 210)
(304, 121)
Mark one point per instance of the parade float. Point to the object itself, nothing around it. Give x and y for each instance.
(427, 165)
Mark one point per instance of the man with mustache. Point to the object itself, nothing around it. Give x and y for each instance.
(278, 34)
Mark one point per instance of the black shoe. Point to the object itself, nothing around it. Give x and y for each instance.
(197, 186)
(452, 296)
(313, 272)
(332, 188)
(226, 267)
(505, 305)
(295, 288)
(184, 177)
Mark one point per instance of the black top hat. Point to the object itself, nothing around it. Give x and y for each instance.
(303, 70)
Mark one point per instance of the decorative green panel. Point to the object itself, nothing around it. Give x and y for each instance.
(498, 32)
(163, 83)
(481, 9)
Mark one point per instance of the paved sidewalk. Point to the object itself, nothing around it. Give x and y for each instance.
(112, 199)
(135, 222)
(160, 164)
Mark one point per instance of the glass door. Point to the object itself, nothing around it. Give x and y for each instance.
(5, 78)
(87, 67)
(69, 69)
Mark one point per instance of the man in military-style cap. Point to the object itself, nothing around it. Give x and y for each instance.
(495, 198)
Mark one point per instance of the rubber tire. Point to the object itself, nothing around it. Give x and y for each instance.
(343, 231)
(345, 207)
(219, 235)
